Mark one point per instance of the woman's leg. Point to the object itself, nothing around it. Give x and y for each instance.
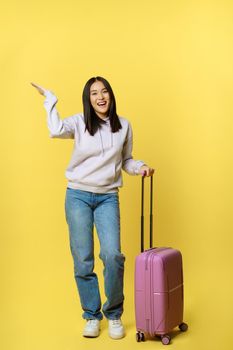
(79, 217)
(107, 221)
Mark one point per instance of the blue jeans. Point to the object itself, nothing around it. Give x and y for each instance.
(83, 210)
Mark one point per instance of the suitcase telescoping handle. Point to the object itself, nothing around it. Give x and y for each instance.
(151, 213)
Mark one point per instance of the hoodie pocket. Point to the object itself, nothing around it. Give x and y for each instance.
(106, 175)
(100, 176)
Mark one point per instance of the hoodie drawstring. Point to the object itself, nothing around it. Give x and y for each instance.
(101, 141)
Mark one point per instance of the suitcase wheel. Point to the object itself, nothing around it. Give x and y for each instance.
(165, 339)
(140, 336)
(183, 327)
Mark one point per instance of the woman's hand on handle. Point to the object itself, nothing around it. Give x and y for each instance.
(146, 171)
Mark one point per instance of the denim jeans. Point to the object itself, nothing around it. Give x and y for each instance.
(83, 211)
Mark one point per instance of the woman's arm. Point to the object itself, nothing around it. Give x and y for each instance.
(58, 128)
(131, 166)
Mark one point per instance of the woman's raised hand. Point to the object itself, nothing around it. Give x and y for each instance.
(39, 89)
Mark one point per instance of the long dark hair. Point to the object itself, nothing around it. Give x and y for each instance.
(92, 121)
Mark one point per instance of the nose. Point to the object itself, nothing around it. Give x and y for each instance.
(100, 95)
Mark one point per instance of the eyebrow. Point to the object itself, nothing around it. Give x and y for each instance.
(101, 89)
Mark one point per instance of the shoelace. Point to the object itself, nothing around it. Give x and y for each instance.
(94, 322)
(116, 322)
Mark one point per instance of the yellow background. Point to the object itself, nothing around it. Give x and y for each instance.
(170, 64)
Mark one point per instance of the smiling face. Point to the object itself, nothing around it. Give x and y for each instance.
(100, 99)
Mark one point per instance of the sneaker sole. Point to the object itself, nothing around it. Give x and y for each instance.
(91, 335)
(116, 336)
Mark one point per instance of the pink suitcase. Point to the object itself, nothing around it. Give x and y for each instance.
(158, 287)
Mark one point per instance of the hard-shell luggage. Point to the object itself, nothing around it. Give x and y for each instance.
(159, 297)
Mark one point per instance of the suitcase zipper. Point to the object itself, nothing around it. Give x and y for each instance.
(151, 250)
(169, 291)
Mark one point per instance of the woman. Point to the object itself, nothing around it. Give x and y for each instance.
(102, 147)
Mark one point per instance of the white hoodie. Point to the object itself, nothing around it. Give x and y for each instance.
(96, 162)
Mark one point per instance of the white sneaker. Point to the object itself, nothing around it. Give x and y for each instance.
(116, 329)
(92, 328)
